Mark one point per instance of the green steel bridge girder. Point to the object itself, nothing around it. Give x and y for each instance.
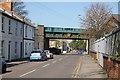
(61, 34)
(64, 30)
(53, 32)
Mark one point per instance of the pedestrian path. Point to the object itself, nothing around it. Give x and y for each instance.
(90, 69)
(17, 62)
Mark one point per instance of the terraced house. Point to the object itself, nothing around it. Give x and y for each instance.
(16, 36)
(28, 39)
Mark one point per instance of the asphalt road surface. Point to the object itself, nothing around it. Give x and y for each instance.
(62, 66)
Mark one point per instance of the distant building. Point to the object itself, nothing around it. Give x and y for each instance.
(39, 37)
(113, 23)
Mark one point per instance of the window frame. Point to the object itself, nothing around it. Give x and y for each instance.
(26, 31)
(3, 20)
(16, 28)
(9, 26)
(2, 47)
(16, 47)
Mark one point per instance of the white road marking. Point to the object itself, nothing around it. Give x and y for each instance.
(54, 62)
(28, 73)
(46, 65)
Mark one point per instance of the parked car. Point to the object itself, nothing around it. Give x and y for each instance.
(59, 51)
(2, 65)
(38, 55)
(49, 54)
(55, 51)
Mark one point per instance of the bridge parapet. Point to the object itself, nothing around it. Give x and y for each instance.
(66, 33)
(64, 30)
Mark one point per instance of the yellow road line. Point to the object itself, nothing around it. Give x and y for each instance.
(76, 71)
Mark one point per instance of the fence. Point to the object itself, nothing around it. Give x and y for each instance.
(108, 45)
(103, 50)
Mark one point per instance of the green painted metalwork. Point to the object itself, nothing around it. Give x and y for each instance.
(71, 30)
(53, 32)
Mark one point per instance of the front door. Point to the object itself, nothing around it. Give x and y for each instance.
(9, 50)
(21, 51)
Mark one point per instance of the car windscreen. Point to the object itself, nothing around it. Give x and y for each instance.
(46, 51)
(36, 51)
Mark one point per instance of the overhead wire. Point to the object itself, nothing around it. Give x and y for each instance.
(37, 5)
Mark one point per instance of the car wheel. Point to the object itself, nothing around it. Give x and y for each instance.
(51, 56)
(46, 58)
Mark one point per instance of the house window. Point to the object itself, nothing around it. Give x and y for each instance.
(21, 31)
(26, 31)
(9, 50)
(16, 28)
(15, 47)
(9, 29)
(32, 33)
(2, 47)
(3, 24)
(25, 48)
(30, 47)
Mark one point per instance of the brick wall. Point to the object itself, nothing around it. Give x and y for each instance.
(112, 67)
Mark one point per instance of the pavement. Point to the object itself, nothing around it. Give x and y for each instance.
(17, 62)
(62, 66)
(91, 69)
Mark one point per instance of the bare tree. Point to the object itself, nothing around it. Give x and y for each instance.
(96, 16)
(19, 8)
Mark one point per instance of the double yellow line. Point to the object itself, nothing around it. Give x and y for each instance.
(77, 68)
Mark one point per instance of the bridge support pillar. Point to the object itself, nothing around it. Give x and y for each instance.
(39, 37)
(87, 46)
(46, 43)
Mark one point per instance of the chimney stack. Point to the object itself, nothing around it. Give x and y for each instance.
(6, 5)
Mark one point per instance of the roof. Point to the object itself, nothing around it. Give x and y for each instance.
(15, 16)
(116, 16)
